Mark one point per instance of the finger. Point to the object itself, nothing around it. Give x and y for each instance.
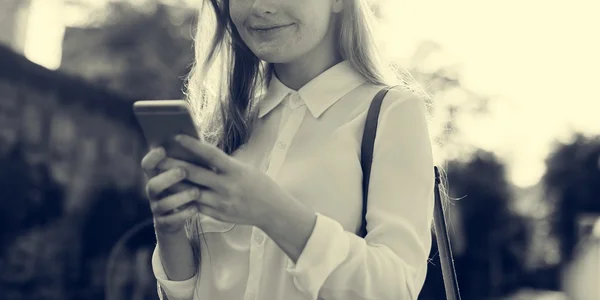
(207, 152)
(195, 174)
(176, 217)
(174, 201)
(161, 182)
(209, 198)
(211, 212)
(174, 189)
(180, 187)
(152, 159)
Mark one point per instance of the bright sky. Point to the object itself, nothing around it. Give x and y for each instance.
(542, 57)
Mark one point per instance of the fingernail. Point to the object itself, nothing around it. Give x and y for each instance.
(182, 172)
(161, 151)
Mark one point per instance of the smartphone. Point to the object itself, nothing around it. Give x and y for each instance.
(162, 120)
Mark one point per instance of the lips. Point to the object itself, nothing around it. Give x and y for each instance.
(269, 27)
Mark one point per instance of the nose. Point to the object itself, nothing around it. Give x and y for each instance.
(264, 7)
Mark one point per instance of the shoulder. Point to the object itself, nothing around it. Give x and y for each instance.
(399, 100)
(403, 120)
(402, 94)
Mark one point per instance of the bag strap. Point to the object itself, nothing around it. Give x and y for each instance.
(441, 230)
(366, 153)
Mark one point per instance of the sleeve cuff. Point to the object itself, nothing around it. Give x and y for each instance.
(174, 290)
(326, 248)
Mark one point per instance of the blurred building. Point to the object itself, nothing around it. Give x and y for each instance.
(88, 142)
(13, 23)
(84, 54)
(139, 54)
(69, 124)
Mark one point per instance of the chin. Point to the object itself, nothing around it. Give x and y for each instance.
(274, 58)
(278, 56)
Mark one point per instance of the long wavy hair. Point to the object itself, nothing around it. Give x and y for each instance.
(227, 78)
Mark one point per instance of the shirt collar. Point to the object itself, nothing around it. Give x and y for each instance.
(318, 94)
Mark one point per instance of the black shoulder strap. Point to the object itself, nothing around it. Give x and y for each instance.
(366, 153)
(441, 231)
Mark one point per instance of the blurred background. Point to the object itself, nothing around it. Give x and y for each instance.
(515, 114)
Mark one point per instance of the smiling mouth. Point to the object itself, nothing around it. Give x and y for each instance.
(270, 29)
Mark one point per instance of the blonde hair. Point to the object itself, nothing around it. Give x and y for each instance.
(227, 78)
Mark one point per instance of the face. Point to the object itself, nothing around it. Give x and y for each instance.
(280, 31)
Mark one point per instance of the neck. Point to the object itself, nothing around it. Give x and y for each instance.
(297, 73)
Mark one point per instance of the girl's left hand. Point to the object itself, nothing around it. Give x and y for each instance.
(233, 192)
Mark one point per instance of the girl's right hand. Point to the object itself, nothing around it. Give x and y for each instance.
(170, 210)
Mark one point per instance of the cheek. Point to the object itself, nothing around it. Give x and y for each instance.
(311, 32)
(237, 11)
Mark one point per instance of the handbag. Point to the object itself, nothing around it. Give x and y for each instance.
(439, 219)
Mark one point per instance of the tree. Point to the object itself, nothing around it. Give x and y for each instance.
(496, 238)
(572, 185)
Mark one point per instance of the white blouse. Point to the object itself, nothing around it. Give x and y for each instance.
(308, 141)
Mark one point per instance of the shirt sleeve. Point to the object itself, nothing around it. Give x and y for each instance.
(391, 261)
(172, 290)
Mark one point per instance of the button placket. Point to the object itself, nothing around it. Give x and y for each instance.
(295, 101)
(290, 122)
(291, 119)
(250, 296)
(259, 238)
(256, 263)
(281, 144)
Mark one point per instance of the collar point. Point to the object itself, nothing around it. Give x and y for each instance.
(315, 114)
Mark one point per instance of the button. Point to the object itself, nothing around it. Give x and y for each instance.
(281, 144)
(259, 238)
(249, 296)
(295, 101)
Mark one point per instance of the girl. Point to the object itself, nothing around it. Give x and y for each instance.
(279, 210)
